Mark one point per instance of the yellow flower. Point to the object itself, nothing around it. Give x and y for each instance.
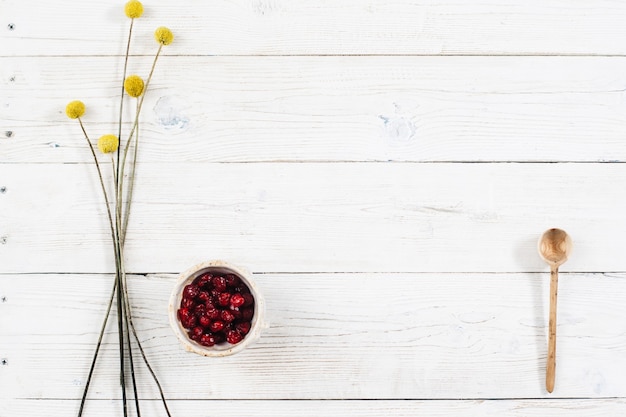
(108, 143)
(163, 35)
(75, 109)
(133, 9)
(133, 84)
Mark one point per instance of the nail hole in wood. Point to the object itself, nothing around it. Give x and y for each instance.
(11, 26)
(8, 133)
(4, 361)
(4, 299)
(3, 189)
(12, 79)
(3, 240)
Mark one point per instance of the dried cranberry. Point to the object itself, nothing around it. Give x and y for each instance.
(233, 337)
(199, 310)
(183, 313)
(213, 313)
(196, 332)
(191, 291)
(219, 283)
(243, 328)
(248, 300)
(216, 326)
(204, 281)
(232, 280)
(236, 300)
(227, 316)
(204, 320)
(189, 322)
(247, 313)
(187, 303)
(207, 340)
(235, 312)
(223, 299)
(204, 296)
(242, 289)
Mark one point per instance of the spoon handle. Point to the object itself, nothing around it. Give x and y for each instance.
(551, 366)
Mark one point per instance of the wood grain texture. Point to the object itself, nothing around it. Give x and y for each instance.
(332, 336)
(325, 217)
(244, 109)
(287, 27)
(335, 141)
(268, 408)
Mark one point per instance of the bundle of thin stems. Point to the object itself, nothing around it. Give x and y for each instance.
(118, 215)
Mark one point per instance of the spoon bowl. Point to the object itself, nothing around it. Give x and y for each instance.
(555, 247)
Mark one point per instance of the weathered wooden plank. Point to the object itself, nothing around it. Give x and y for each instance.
(271, 27)
(332, 336)
(242, 109)
(325, 217)
(442, 408)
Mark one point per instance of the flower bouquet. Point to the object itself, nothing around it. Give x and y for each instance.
(121, 156)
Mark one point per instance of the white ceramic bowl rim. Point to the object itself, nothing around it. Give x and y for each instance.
(226, 349)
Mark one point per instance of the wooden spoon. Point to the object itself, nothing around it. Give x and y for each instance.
(554, 247)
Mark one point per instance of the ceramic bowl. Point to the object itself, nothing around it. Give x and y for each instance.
(258, 319)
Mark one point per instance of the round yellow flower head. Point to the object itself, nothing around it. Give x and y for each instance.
(133, 9)
(133, 84)
(108, 143)
(163, 35)
(75, 109)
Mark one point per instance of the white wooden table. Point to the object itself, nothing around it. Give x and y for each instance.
(384, 168)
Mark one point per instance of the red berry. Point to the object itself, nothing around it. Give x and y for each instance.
(227, 316)
(242, 289)
(187, 303)
(196, 332)
(236, 300)
(216, 326)
(189, 322)
(233, 337)
(243, 328)
(204, 320)
(199, 310)
(247, 313)
(235, 312)
(191, 291)
(219, 283)
(213, 313)
(183, 313)
(248, 300)
(204, 296)
(204, 281)
(232, 280)
(207, 340)
(223, 299)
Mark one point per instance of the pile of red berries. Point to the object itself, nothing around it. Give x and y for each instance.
(216, 308)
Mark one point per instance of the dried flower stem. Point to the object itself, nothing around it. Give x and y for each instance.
(121, 311)
(124, 224)
(113, 291)
(134, 130)
(143, 355)
(156, 57)
(131, 178)
(119, 132)
(131, 182)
